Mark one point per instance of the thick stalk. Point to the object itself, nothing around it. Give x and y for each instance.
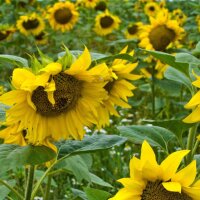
(190, 142)
(30, 180)
(48, 187)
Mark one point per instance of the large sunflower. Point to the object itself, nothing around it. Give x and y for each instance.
(151, 9)
(119, 89)
(133, 30)
(161, 33)
(151, 181)
(30, 24)
(105, 23)
(6, 31)
(63, 16)
(56, 102)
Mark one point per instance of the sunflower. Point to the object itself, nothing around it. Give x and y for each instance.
(151, 8)
(63, 16)
(194, 104)
(105, 23)
(133, 30)
(30, 24)
(119, 89)
(160, 33)
(55, 102)
(6, 31)
(149, 180)
(41, 38)
(179, 16)
(101, 5)
(90, 3)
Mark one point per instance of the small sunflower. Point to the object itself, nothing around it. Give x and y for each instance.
(55, 102)
(151, 9)
(90, 3)
(133, 30)
(161, 33)
(194, 104)
(63, 16)
(119, 89)
(30, 24)
(101, 5)
(179, 16)
(6, 31)
(41, 38)
(150, 180)
(105, 23)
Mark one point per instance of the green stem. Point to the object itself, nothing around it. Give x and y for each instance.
(12, 189)
(30, 180)
(195, 148)
(48, 187)
(153, 91)
(190, 142)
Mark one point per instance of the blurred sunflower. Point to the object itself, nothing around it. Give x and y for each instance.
(56, 102)
(90, 3)
(150, 180)
(160, 33)
(6, 31)
(41, 38)
(105, 23)
(151, 8)
(179, 16)
(63, 16)
(133, 30)
(30, 24)
(101, 5)
(194, 104)
(119, 89)
(198, 21)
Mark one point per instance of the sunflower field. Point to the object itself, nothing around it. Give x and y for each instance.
(99, 100)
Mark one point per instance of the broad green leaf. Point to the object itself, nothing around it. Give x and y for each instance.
(89, 144)
(14, 156)
(97, 180)
(187, 58)
(176, 75)
(95, 194)
(156, 136)
(79, 193)
(170, 60)
(13, 60)
(77, 166)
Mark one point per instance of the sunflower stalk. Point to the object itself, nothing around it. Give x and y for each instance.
(48, 187)
(30, 180)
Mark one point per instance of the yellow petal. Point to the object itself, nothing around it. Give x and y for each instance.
(52, 68)
(171, 163)
(194, 101)
(187, 175)
(172, 186)
(193, 117)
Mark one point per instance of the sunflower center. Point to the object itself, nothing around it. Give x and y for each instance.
(3, 35)
(133, 29)
(152, 8)
(66, 95)
(40, 36)
(30, 24)
(108, 87)
(101, 6)
(106, 21)
(160, 37)
(156, 191)
(63, 15)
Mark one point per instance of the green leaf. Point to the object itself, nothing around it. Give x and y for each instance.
(4, 191)
(79, 193)
(176, 75)
(196, 51)
(170, 60)
(95, 194)
(97, 180)
(89, 144)
(15, 60)
(187, 58)
(156, 136)
(14, 156)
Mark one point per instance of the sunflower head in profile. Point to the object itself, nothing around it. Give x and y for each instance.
(105, 23)
(161, 33)
(150, 180)
(133, 30)
(30, 24)
(6, 31)
(151, 8)
(101, 5)
(63, 16)
(54, 99)
(179, 16)
(119, 88)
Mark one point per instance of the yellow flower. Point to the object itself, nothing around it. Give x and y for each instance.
(101, 5)
(150, 180)
(41, 38)
(55, 103)
(30, 24)
(6, 31)
(90, 3)
(151, 8)
(105, 23)
(133, 30)
(119, 89)
(63, 16)
(160, 33)
(179, 16)
(194, 104)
